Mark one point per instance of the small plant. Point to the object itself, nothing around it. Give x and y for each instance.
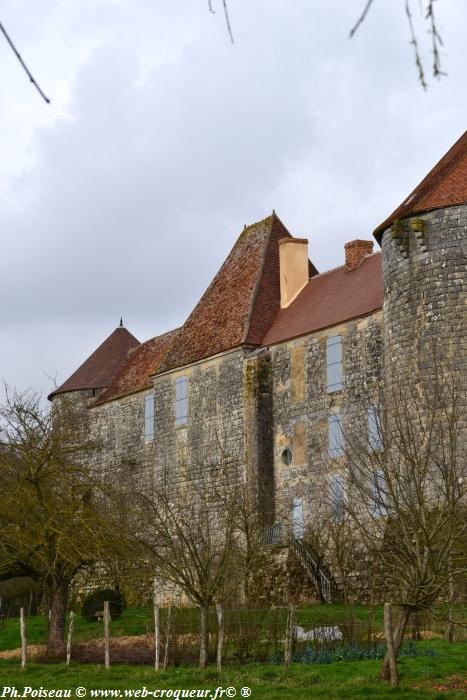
(94, 603)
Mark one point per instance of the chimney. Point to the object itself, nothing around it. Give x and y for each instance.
(293, 264)
(355, 251)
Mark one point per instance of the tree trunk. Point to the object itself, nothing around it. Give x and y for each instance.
(398, 639)
(289, 636)
(416, 634)
(220, 635)
(57, 614)
(391, 651)
(203, 636)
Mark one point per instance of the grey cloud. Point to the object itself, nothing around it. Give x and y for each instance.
(174, 139)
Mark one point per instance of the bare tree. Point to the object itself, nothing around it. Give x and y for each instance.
(407, 489)
(51, 519)
(429, 15)
(188, 534)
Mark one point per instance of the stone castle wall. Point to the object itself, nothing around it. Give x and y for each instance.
(424, 266)
(302, 404)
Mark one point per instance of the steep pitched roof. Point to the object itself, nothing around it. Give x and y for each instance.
(135, 373)
(444, 186)
(240, 303)
(99, 370)
(329, 299)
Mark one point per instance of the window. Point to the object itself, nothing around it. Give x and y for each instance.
(334, 363)
(378, 494)
(149, 417)
(181, 400)
(287, 456)
(336, 493)
(375, 439)
(335, 435)
(298, 522)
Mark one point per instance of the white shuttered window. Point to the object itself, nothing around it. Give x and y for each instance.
(149, 417)
(181, 400)
(334, 363)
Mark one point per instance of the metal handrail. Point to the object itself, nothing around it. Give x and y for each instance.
(303, 552)
(276, 535)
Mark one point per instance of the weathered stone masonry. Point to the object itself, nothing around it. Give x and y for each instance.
(253, 352)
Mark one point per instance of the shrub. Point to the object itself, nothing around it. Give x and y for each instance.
(94, 603)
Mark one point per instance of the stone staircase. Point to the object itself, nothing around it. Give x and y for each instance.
(275, 536)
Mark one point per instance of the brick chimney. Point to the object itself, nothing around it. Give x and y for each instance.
(293, 263)
(355, 251)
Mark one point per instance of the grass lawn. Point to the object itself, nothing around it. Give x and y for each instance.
(138, 621)
(433, 675)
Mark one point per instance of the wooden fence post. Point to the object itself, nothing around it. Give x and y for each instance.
(220, 635)
(167, 636)
(24, 638)
(71, 625)
(107, 634)
(289, 637)
(157, 627)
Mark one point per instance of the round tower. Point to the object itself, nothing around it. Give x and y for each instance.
(424, 276)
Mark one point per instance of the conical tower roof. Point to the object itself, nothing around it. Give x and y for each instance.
(444, 186)
(99, 370)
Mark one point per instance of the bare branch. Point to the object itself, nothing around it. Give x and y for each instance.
(227, 20)
(414, 43)
(18, 56)
(361, 19)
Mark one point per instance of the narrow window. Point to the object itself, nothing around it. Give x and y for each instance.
(335, 436)
(334, 363)
(337, 498)
(297, 518)
(181, 400)
(375, 438)
(149, 417)
(378, 494)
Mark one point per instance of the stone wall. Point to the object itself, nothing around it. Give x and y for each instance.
(215, 424)
(302, 404)
(424, 266)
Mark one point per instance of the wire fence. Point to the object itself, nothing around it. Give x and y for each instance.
(318, 634)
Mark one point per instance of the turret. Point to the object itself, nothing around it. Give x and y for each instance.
(424, 266)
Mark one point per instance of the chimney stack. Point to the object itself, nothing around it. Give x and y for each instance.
(355, 251)
(293, 263)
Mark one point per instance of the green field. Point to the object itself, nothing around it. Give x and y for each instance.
(420, 677)
(435, 668)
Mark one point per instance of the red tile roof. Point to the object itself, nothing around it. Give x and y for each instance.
(240, 303)
(99, 370)
(329, 299)
(135, 373)
(444, 186)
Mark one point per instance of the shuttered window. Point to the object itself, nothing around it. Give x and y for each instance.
(335, 435)
(181, 400)
(337, 496)
(334, 363)
(149, 417)
(378, 494)
(375, 438)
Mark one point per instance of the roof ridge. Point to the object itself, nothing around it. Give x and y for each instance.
(333, 269)
(258, 278)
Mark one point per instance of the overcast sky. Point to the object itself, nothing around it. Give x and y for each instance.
(125, 194)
